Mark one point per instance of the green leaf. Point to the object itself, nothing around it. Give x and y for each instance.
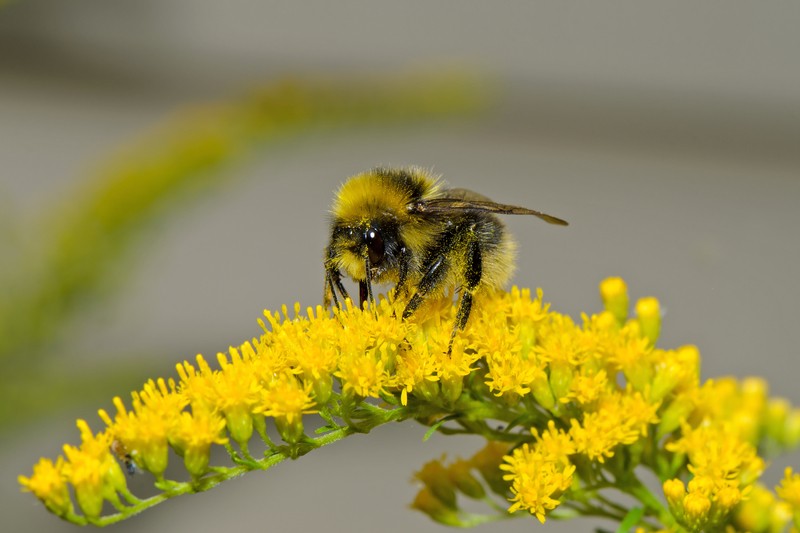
(631, 519)
(435, 427)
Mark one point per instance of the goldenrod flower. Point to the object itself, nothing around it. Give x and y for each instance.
(145, 431)
(789, 489)
(723, 466)
(48, 483)
(554, 444)
(571, 414)
(194, 434)
(286, 399)
(538, 479)
(232, 391)
(789, 492)
(619, 418)
(762, 511)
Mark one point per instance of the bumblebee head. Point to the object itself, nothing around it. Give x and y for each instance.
(373, 224)
(367, 242)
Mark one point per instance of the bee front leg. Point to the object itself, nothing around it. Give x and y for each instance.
(333, 282)
(364, 293)
(365, 286)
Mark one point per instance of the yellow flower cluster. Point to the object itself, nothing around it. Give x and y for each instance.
(568, 411)
(725, 425)
(541, 472)
(723, 469)
(604, 389)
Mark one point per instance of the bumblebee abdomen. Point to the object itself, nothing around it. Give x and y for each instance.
(497, 250)
(499, 260)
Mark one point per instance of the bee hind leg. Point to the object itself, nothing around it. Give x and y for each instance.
(472, 278)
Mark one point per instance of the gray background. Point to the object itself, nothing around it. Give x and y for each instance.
(666, 133)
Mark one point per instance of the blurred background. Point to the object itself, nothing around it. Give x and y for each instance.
(167, 168)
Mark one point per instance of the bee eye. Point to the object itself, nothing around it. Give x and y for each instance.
(375, 246)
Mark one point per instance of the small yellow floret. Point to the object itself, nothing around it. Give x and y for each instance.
(674, 491)
(194, 434)
(789, 489)
(48, 484)
(696, 507)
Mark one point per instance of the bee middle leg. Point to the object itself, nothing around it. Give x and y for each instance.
(465, 245)
(433, 277)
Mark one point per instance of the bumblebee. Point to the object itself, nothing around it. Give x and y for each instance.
(402, 226)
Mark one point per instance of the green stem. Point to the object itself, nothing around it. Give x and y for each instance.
(221, 474)
(652, 505)
(591, 510)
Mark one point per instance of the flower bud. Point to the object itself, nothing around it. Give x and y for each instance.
(452, 388)
(154, 457)
(540, 388)
(791, 433)
(675, 414)
(436, 478)
(674, 491)
(728, 498)
(561, 376)
(487, 461)
(432, 506)
(322, 389)
(464, 481)
(196, 460)
(696, 507)
(240, 424)
(290, 428)
(648, 315)
(614, 293)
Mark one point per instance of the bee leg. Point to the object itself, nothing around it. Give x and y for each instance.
(402, 275)
(333, 282)
(430, 280)
(328, 294)
(365, 287)
(363, 293)
(402, 271)
(472, 278)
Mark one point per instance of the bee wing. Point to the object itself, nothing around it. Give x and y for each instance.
(466, 200)
(458, 193)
